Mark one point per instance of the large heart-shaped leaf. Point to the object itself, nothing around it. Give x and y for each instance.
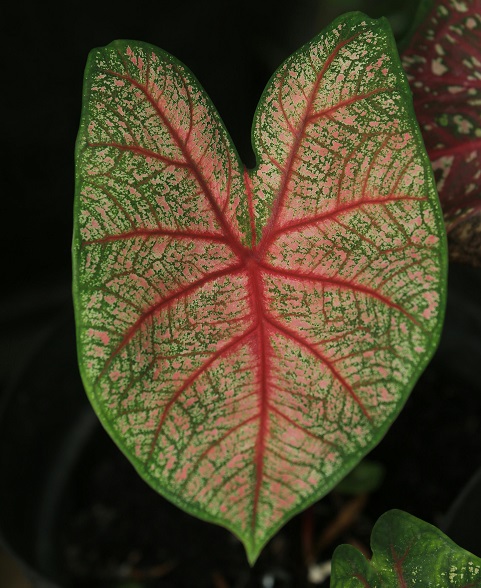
(247, 336)
(407, 553)
(443, 63)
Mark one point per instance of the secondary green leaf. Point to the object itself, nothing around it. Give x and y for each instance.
(407, 553)
(443, 64)
(247, 336)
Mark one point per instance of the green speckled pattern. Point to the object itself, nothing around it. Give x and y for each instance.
(246, 336)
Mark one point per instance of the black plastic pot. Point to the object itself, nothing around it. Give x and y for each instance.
(51, 445)
(42, 424)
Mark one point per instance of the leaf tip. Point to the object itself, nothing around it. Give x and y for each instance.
(252, 548)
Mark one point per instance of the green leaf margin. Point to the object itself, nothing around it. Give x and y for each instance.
(253, 551)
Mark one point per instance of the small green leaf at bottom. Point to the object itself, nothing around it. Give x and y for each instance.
(407, 552)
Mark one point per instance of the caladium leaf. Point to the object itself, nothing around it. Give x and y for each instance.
(443, 64)
(407, 553)
(247, 336)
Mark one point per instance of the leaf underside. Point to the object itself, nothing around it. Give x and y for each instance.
(407, 553)
(247, 336)
(443, 64)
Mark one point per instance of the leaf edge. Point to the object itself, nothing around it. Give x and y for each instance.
(252, 549)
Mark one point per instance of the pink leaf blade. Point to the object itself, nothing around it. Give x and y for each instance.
(319, 150)
(247, 336)
(180, 149)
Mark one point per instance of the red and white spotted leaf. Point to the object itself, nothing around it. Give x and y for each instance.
(443, 64)
(247, 336)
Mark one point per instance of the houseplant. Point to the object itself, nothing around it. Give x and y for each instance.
(246, 336)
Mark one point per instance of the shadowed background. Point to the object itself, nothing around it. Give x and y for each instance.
(232, 48)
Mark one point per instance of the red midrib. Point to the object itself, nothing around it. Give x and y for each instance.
(400, 575)
(339, 283)
(299, 136)
(263, 348)
(362, 579)
(160, 232)
(234, 243)
(398, 565)
(264, 324)
(163, 303)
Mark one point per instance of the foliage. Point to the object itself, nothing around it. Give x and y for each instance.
(407, 552)
(246, 336)
(442, 61)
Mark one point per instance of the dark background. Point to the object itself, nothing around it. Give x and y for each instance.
(233, 48)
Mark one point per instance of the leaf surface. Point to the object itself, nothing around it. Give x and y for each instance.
(443, 64)
(407, 553)
(247, 336)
